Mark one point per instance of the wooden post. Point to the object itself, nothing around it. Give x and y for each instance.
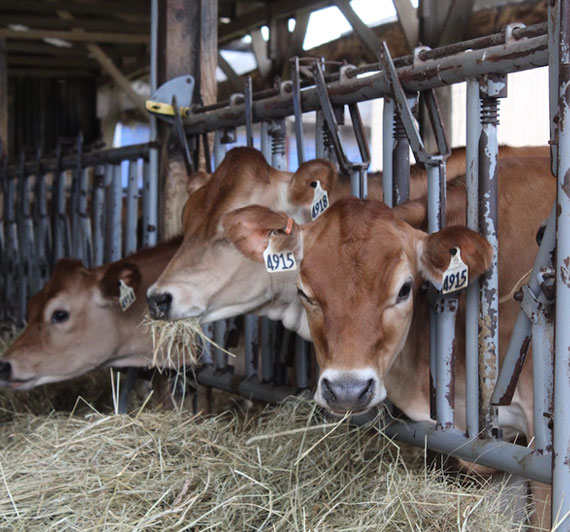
(187, 44)
(3, 98)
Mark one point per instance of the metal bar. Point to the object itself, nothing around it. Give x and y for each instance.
(298, 109)
(69, 162)
(302, 363)
(502, 59)
(265, 141)
(11, 251)
(320, 147)
(387, 149)
(132, 209)
(248, 115)
(500, 455)
(59, 217)
(25, 245)
(472, 297)
(491, 88)
(42, 229)
(251, 337)
(76, 177)
(278, 133)
(98, 215)
(114, 222)
(267, 350)
(366, 35)
(561, 444)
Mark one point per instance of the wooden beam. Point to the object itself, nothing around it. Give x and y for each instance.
(208, 51)
(409, 21)
(299, 33)
(260, 51)
(56, 62)
(456, 22)
(51, 73)
(3, 99)
(234, 80)
(366, 35)
(87, 24)
(118, 78)
(71, 36)
(107, 7)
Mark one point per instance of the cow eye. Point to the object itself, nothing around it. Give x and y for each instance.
(59, 316)
(404, 292)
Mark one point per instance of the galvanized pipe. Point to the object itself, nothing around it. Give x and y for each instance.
(501, 59)
(98, 215)
(553, 84)
(42, 229)
(387, 149)
(11, 251)
(504, 456)
(25, 245)
(251, 338)
(491, 88)
(472, 297)
(561, 444)
(114, 207)
(400, 164)
(132, 209)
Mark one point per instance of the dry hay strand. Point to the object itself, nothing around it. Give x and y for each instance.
(179, 343)
(287, 468)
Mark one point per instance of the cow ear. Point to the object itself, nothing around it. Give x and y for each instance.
(110, 283)
(250, 228)
(304, 181)
(438, 248)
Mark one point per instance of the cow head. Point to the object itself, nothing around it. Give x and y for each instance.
(72, 325)
(359, 280)
(209, 277)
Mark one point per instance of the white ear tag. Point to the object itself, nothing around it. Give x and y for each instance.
(127, 296)
(456, 276)
(282, 261)
(320, 201)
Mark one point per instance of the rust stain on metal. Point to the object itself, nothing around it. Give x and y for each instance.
(565, 272)
(507, 397)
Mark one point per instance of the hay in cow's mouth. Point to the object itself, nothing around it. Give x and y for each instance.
(286, 468)
(177, 344)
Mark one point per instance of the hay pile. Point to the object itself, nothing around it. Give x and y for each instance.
(284, 469)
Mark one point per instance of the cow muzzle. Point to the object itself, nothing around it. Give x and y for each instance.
(5, 370)
(159, 304)
(343, 391)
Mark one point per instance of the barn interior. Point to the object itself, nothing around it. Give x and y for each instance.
(78, 81)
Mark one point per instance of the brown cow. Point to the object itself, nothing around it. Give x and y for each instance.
(75, 323)
(362, 268)
(209, 278)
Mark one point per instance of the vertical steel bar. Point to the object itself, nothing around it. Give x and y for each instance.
(553, 57)
(150, 175)
(251, 336)
(132, 209)
(319, 139)
(298, 110)
(265, 141)
(445, 309)
(41, 222)
(10, 267)
(267, 349)
(387, 150)
(400, 164)
(472, 303)
(220, 327)
(98, 215)
(84, 221)
(248, 111)
(59, 220)
(114, 209)
(491, 88)
(277, 131)
(302, 363)
(76, 178)
(26, 242)
(561, 443)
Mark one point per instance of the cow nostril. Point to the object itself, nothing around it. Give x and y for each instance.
(364, 396)
(5, 371)
(327, 391)
(159, 304)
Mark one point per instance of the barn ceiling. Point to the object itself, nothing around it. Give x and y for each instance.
(81, 38)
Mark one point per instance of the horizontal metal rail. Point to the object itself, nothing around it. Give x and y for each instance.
(512, 56)
(69, 162)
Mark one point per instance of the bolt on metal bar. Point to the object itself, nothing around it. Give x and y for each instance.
(472, 298)
(114, 209)
(387, 149)
(561, 442)
(132, 208)
(491, 89)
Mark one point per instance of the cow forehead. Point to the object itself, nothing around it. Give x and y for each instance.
(358, 248)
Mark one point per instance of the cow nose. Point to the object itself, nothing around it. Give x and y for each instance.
(5, 370)
(349, 393)
(159, 305)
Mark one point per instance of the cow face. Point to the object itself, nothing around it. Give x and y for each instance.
(209, 277)
(73, 326)
(359, 280)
